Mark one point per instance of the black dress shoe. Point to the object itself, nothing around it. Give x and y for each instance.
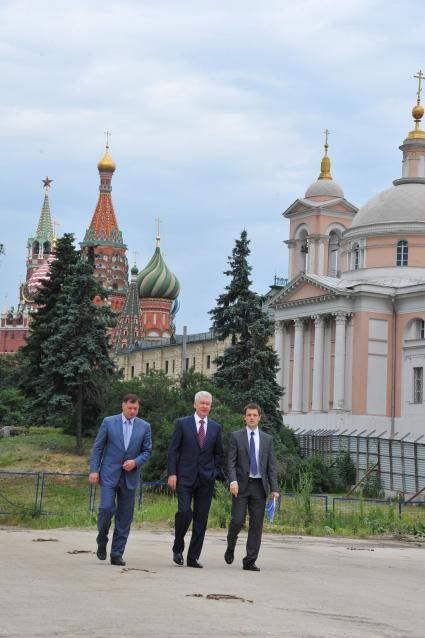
(192, 562)
(178, 558)
(117, 560)
(229, 556)
(101, 552)
(252, 568)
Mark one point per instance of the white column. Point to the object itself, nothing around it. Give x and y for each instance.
(297, 373)
(286, 365)
(279, 347)
(317, 393)
(339, 361)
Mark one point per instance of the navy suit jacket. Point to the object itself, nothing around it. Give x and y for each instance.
(188, 460)
(108, 453)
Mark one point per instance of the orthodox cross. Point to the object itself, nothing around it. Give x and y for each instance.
(420, 76)
(158, 224)
(135, 254)
(108, 135)
(326, 132)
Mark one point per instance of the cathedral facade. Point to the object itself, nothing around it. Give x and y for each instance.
(350, 323)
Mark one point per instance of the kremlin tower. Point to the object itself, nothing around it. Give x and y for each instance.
(14, 323)
(104, 238)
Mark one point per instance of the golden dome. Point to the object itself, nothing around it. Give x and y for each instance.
(106, 163)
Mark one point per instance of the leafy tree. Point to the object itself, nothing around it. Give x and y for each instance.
(10, 370)
(345, 471)
(13, 407)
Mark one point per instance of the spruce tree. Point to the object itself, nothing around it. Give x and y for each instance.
(249, 365)
(75, 358)
(41, 323)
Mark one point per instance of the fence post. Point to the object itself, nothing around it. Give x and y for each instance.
(36, 492)
(400, 508)
(41, 492)
(140, 494)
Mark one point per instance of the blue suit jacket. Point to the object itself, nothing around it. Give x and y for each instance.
(108, 453)
(187, 460)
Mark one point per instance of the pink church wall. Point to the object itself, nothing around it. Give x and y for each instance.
(402, 321)
(382, 251)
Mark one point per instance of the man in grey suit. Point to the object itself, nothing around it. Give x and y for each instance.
(122, 444)
(251, 469)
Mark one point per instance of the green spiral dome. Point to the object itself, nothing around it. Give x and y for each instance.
(157, 280)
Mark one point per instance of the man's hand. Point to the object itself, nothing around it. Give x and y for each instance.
(172, 482)
(129, 465)
(234, 489)
(275, 495)
(94, 478)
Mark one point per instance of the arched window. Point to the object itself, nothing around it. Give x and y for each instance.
(356, 256)
(302, 246)
(35, 248)
(334, 253)
(402, 253)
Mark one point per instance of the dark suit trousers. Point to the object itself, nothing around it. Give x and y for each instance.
(201, 494)
(252, 498)
(117, 500)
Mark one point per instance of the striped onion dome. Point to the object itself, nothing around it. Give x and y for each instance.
(41, 274)
(156, 280)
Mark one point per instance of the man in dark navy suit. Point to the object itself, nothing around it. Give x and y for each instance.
(122, 444)
(194, 462)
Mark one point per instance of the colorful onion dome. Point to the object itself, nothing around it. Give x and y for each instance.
(41, 274)
(106, 163)
(156, 280)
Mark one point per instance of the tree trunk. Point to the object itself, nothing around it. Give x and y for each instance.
(78, 420)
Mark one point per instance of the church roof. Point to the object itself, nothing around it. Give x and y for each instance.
(156, 280)
(404, 202)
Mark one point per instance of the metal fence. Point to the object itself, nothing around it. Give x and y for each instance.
(57, 493)
(400, 464)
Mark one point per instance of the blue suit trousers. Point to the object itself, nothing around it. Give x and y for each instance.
(118, 501)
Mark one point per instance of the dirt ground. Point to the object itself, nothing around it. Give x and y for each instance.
(52, 584)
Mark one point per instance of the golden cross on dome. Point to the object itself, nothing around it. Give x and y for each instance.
(326, 132)
(55, 223)
(420, 76)
(108, 135)
(47, 182)
(135, 254)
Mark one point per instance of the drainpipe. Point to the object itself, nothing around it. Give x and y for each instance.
(394, 364)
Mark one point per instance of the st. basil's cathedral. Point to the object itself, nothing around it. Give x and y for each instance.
(145, 308)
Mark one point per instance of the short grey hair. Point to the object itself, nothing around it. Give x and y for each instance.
(203, 394)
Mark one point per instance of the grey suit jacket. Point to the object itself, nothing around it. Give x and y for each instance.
(238, 461)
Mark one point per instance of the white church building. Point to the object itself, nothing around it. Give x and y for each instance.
(350, 323)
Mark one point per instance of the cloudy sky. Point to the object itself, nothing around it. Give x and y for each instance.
(217, 111)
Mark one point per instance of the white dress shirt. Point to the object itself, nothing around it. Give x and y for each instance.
(198, 420)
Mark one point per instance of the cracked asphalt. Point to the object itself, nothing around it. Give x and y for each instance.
(52, 584)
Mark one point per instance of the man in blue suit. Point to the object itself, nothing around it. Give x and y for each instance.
(194, 461)
(122, 444)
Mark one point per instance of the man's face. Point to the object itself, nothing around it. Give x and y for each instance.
(130, 409)
(252, 418)
(203, 406)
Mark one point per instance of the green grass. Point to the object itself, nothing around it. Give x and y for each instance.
(66, 500)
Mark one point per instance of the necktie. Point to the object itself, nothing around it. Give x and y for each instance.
(253, 469)
(201, 433)
(127, 425)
